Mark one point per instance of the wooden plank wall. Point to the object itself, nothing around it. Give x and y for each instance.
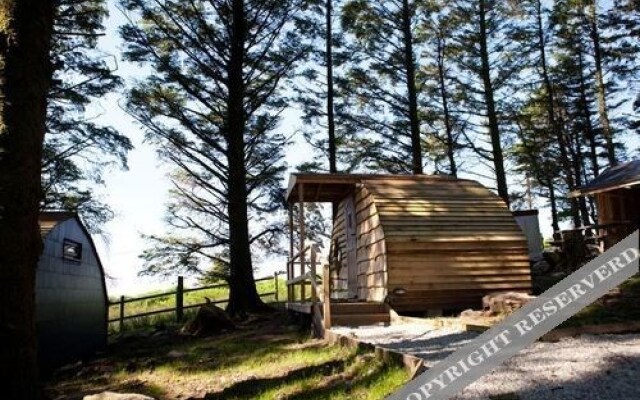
(371, 255)
(621, 205)
(371, 250)
(448, 243)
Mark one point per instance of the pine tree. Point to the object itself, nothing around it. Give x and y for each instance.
(537, 150)
(485, 57)
(327, 126)
(212, 105)
(601, 90)
(383, 81)
(441, 110)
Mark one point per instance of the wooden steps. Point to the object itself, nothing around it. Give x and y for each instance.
(359, 314)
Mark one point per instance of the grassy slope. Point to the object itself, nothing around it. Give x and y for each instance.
(169, 302)
(621, 308)
(263, 360)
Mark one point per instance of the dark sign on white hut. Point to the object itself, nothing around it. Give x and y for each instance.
(71, 297)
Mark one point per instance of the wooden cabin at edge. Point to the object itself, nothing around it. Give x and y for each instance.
(402, 242)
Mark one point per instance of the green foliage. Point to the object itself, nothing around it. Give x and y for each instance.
(77, 149)
(380, 83)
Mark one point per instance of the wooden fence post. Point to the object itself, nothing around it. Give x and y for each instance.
(121, 314)
(180, 299)
(275, 278)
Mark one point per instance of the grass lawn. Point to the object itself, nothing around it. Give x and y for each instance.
(264, 359)
(169, 302)
(623, 307)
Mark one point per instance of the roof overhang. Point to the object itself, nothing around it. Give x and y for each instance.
(621, 176)
(321, 188)
(328, 188)
(588, 191)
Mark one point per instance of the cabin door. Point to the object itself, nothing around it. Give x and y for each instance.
(352, 247)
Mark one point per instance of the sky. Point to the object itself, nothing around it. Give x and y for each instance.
(139, 194)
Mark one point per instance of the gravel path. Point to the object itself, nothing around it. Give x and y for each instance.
(602, 367)
(432, 345)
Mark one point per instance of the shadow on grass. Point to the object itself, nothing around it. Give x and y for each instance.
(342, 385)
(253, 387)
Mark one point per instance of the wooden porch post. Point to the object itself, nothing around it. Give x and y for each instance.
(302, 241)
(290, 258)
(314, 292)
(326, 300)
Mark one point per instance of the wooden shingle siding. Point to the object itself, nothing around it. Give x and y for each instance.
(339, 277)
(371, 259)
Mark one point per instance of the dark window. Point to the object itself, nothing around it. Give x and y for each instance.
(71, 250)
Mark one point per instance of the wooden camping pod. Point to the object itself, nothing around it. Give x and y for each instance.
(425, 243)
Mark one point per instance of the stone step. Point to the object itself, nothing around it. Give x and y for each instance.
(358, 308)
(360, 319)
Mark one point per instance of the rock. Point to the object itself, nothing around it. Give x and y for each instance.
(470, 313)
(209, 320)
(541, 267)
(506, 302)
(553, 258)
(117, 396)
(176, 354)
(70, 368)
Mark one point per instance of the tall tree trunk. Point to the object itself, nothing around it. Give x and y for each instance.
(25, 74)
(333, 168)
(578, 163)
(243, 296)
(586, 114)
(494, 130)
(600, 87)
(445, 107)
(553, 118)
(331, 123)
(410, 68)
(550, 97)
(564, 144)
(555, 224)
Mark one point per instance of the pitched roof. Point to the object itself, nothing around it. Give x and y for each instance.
(623, 175)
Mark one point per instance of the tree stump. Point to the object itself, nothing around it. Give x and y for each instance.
(208, 321)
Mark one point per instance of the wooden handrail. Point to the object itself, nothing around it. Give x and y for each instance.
(298, 254)
(307, 271)
(299, 279)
